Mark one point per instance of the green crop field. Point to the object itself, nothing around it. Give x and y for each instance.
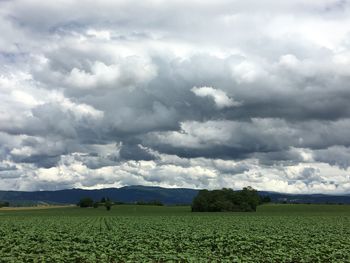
(275, 233)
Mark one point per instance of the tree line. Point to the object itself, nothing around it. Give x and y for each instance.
(4, 204)
(88, 202)
(106, 202)
(224, 200)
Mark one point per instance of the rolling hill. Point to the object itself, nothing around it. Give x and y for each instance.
(132, 194)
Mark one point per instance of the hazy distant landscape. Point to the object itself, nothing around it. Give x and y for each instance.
(133, 194)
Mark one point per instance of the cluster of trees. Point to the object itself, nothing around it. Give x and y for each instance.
(4, 204)
(245, 200)
(88, 202)
(265, 199)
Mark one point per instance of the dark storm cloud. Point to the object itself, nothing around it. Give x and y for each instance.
(119, 92)
(44, 161)
(135, 152)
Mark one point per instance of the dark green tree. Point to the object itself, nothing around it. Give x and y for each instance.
(4, 204)
(265, 199)
(226, 199)
(251, 197)
(108, 205)
(86, 202)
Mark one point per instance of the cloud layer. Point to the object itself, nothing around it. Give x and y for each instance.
(177, 94)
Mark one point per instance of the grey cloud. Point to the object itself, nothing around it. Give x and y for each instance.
(335, 155)
(10, 174)
(285, 158)
(231, 169)
(306, 99)
(41, 161)
(309, 176)
(234, 139)
(308, 173)
(135, 152)
(98, 162)
(7, 167)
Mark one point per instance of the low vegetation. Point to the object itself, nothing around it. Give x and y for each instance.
(133, 233)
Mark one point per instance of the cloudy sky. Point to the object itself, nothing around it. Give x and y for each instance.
(200, 94)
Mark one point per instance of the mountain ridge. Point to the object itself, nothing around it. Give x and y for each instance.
(135, 193)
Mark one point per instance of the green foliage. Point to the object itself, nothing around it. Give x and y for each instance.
(108, 205)
(4, 204)
(86, 202)
(131, 233)
(96, 205)
(226, 200)
(265, 199)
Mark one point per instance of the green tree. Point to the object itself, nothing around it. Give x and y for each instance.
(108, 205)
(4, 204)
(265, 199)
(251, 197)
(226, 199)
(86, 202)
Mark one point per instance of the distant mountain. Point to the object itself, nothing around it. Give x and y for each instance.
(127, 194)
(131, 194)
(307, 198)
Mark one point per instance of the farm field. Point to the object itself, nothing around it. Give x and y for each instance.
(130, 233)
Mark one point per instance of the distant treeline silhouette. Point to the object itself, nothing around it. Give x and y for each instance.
(105, 201)
(4, 204)
(225, 200)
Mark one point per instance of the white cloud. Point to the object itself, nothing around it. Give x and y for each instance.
(100, 75)
(100, 34)
(248, 72)
(220, 97)
(289, 61)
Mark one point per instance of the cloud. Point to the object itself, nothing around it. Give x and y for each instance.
(135, 152)
(7, 167)
(238, 139)
(220, 97)
(190, 94)
(334, 155)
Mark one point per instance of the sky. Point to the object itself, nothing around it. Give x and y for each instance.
(195, 94)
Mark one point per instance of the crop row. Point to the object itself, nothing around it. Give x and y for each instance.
(175, 238)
